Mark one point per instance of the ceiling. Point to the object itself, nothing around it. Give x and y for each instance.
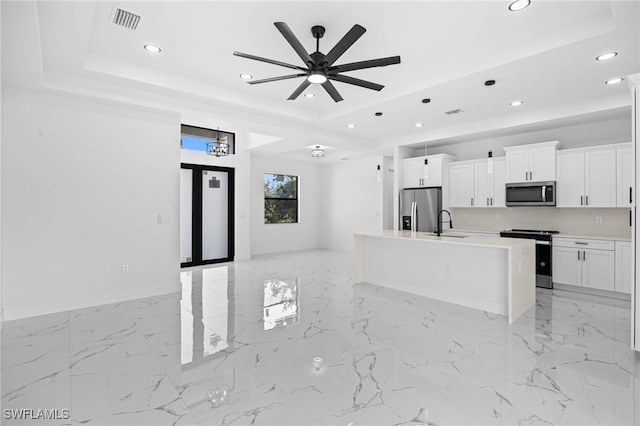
(543, 55)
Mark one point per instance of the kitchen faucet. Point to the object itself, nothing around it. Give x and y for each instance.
(439, 226)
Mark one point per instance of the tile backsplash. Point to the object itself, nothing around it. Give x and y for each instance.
(613, 222)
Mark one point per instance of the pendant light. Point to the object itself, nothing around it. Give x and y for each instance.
(490, 83)
(425, 171)
(317, 152)
(218, 148)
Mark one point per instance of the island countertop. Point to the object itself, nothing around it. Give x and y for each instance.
(490, 273)
(450, 237)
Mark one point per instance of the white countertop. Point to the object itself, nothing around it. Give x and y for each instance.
(447, 238)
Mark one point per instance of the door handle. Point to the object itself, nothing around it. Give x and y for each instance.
(630, 218)
(530, 175)
(630, 195)
(472, 202)
(586, 200)
(544, 193)
(584, 255)
(491, 200)
(487, 200)
(578, 254)
(581, 199)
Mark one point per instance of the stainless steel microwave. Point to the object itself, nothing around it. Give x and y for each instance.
(531, 194)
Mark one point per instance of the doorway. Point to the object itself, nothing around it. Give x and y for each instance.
(206, 214)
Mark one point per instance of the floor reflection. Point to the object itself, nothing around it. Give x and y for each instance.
(206, 320)
(281, 303)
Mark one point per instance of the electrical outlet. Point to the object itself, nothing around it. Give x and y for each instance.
(125, 269)
(497, 216)
(598, 219)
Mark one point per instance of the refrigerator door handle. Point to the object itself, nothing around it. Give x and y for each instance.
(414, 206)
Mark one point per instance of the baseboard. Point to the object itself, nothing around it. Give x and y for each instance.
(20, 312)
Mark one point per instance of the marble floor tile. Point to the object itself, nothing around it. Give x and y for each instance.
(236, 346)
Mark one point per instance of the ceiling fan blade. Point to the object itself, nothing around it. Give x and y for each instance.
(293, 41)
(331, 90)
(356, 82)
(299, 90)
(351, 37)
(269, 61)
(283, 77)
(372, 63)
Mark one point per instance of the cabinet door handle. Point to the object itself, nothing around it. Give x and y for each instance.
(578, 254)
(630, 195)
(487, 200)
(491, 200)
(472, 201)
(630, 218)
(586, 200)
(530, 175)
(584, 255)
(582, 243)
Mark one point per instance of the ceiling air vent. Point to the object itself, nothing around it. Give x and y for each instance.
(454, 111)
(126, 19)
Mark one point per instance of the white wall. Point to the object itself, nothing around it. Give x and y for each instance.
(83, 184)
(241, 163)
(278, 237)
(585, 134)
(352, 201)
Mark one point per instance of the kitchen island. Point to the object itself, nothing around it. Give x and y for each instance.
(492, 274)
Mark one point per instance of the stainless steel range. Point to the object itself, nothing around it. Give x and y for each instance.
(543, 252)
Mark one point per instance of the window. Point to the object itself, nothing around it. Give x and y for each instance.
(280, 198)
(196, 138)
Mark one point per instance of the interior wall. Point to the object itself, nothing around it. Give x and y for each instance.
(580, 135)
(241, 163)
(352, 201)
(279, 237)
(83, 185)
(574, 221)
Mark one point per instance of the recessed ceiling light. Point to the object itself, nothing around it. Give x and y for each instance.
(418, 125)
(614, 80)
(151, 48)
(351, 126)
(378, 114)
(516, 103)
(519, 5)
(309, 95)
(246, 76)
(605, 56)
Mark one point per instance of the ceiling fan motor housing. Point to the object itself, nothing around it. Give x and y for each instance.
(317, 31)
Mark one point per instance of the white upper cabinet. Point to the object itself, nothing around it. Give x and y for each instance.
(531, 163)
(625, 175)
(461, 184)
(414, 175)
(471, 184)
(586, 178)
(490, 187)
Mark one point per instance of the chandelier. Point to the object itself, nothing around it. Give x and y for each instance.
(218, 147)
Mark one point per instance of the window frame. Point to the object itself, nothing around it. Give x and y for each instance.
(205, 133)
(296, 199)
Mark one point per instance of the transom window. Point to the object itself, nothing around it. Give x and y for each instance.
(196, 138)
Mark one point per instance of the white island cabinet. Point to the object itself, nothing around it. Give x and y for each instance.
(492, 274)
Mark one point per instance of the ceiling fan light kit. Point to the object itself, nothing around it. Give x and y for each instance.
(320, 68)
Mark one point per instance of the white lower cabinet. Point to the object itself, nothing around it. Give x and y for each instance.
(624, 261)
(585, 263)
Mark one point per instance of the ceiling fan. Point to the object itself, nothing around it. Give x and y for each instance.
(319, 67)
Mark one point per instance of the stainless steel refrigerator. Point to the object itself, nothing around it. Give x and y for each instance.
(419, 208)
